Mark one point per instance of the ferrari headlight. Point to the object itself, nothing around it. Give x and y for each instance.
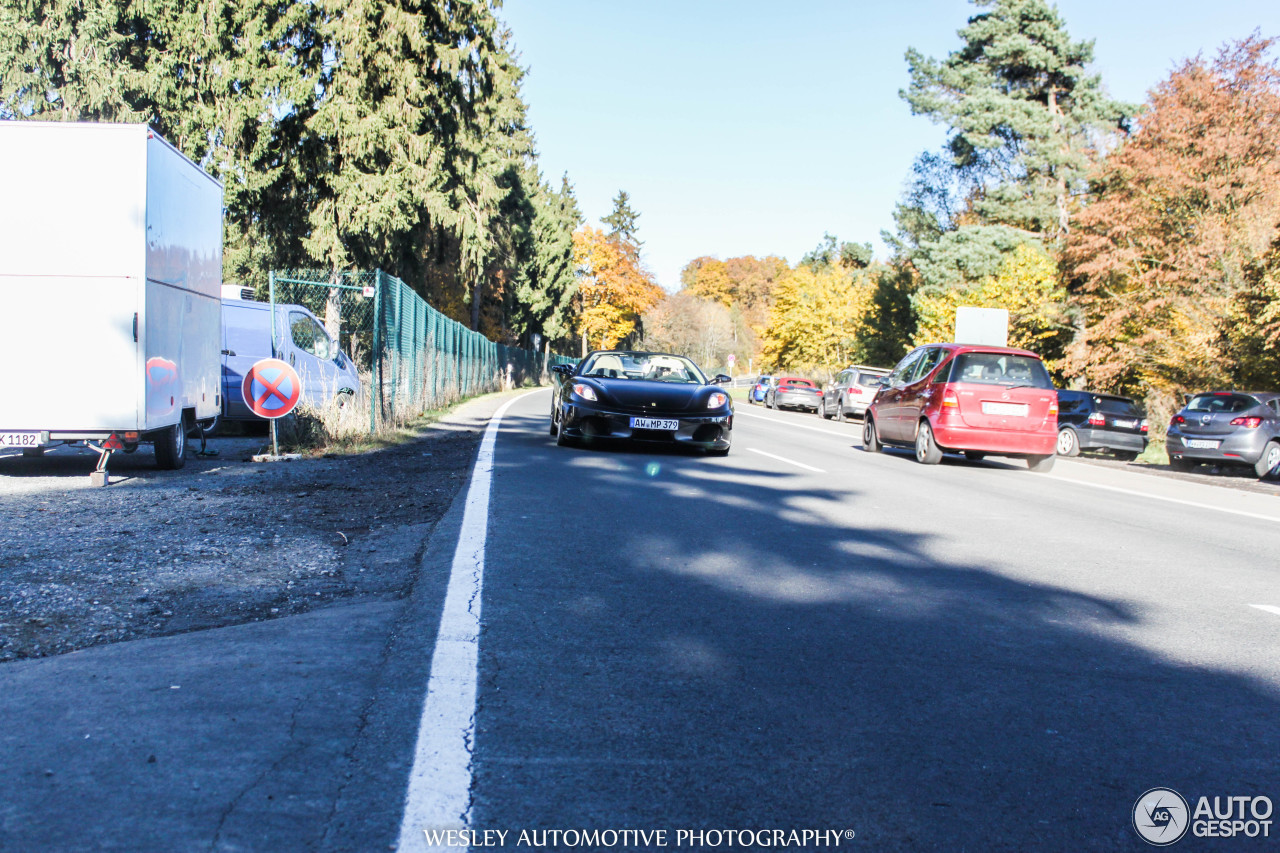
(586, 392)
(717, 401)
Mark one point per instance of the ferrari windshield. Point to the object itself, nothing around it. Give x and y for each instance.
(643, 365)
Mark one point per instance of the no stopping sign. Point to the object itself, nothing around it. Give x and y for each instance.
(271, 388)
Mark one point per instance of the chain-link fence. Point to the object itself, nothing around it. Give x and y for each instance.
(411, 357)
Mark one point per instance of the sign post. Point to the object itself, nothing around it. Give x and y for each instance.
(271, 390)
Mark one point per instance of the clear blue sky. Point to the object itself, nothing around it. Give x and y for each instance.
(750, 128)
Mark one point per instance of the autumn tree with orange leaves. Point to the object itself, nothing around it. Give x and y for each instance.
(1173, 266)
(613, 288)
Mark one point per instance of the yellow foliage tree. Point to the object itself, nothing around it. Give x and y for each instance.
(1026, 285)
(613, 287)
(817, 319)
(710, 280)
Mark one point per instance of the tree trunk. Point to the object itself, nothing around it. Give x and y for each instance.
(333, 308)
(1064, 149)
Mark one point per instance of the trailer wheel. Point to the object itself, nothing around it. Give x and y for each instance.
(171, 447)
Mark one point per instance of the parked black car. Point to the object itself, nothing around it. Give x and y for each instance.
(1232, 427)
(1088, 420)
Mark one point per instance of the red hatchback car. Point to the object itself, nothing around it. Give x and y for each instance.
(977, 400)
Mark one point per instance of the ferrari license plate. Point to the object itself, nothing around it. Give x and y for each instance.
(19, 439)
(1007, 409)
(1202, 443)
(655, 423)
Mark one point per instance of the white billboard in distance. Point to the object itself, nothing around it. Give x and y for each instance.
(986, 326)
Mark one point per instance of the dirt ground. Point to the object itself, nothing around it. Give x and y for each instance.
(222, 541)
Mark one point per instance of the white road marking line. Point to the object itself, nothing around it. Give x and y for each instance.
(854, 435)
(788, 461)
(439, 791)
(1136, 493)
(1270, 608)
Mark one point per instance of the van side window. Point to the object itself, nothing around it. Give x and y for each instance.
(308, 335)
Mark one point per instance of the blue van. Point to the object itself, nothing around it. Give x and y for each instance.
(301, 340)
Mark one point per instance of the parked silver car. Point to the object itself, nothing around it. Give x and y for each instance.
(851, 392)
(1231, 427)
(792, 392)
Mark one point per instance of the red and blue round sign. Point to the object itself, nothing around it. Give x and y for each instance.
(271, 388)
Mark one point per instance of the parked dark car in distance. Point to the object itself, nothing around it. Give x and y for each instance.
(625, 395)
(1227, 427)
(792, 392)
(1088, 420)
(760, 388)
(851, 392)
(977, 400)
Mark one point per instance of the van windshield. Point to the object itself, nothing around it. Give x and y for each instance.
(993, 368)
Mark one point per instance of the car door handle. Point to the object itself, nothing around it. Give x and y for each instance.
(229, 352)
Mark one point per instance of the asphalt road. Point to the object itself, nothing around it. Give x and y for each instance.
(800, 636)
(805, 635)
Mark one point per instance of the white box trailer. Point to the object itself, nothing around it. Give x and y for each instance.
(110, 286)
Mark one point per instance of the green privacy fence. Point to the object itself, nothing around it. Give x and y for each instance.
(412, 358)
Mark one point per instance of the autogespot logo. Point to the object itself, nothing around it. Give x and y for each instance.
(1161, 816)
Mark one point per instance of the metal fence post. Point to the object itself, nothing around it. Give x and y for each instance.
(375, 373)
(271, 296)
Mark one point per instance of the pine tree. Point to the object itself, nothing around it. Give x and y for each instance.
(622, 221)
(1022, 108)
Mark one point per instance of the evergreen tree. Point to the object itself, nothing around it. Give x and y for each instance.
(831, 252)
(622, 221)
(1022, 110)
(547, 284)
(386, 135)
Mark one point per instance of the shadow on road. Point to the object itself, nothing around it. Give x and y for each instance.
(681, 642)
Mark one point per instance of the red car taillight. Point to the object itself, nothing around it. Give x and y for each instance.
(950, 400)
(1178, 420)
(1097, 419)
(1251, 423)
(1145, 426)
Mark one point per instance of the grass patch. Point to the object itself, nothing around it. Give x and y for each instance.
(344, 430)
(1154, 454)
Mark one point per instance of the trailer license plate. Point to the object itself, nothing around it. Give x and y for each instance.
(1015, 409)
(1202, 444)
(19, 439)
(654, 423)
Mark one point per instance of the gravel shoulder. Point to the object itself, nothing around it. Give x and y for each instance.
(223, 541)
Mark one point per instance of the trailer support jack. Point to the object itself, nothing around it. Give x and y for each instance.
(100, 477)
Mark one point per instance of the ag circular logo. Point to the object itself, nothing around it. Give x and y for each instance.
(1161, 816)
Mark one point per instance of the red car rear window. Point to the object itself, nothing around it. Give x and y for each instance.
(990, 368)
